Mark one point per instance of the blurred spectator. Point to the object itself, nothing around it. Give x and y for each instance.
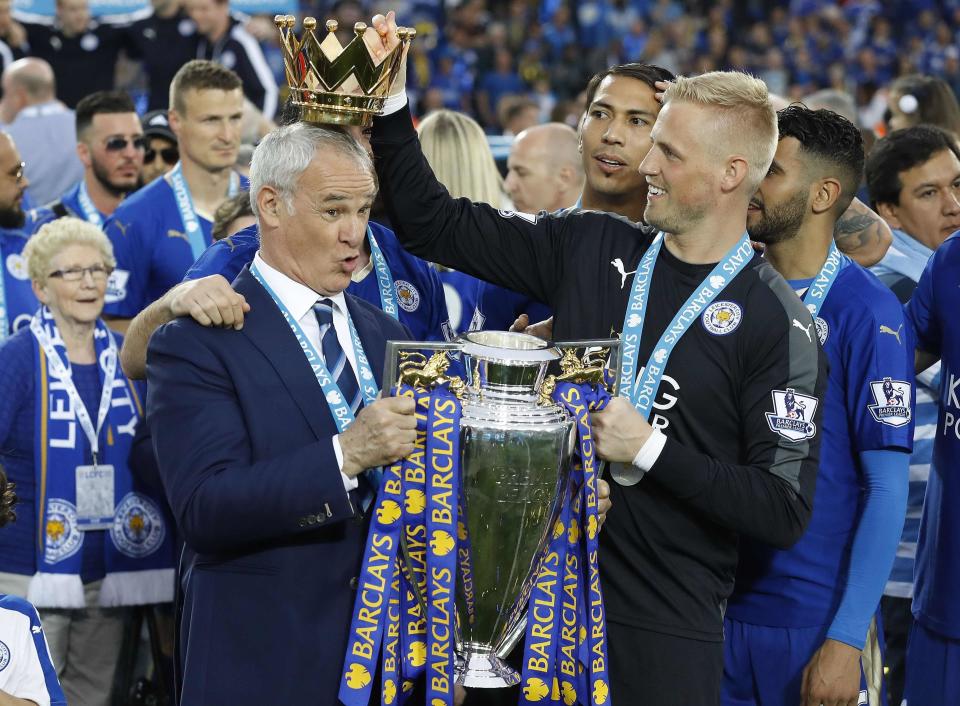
(502, 81)
(517, 113)
(110, 144)
(161, 154)
(457, 150)
(232, 216)
(838, 101)
(223, 39)
(77, 570)
(544, 169)
(164, 41)
(916, 100)
(82, 51)
(13, 38)
(42, 127)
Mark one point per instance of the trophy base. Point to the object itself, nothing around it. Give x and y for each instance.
(480, 668)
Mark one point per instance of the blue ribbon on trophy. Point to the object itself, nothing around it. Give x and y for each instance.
(443, 480)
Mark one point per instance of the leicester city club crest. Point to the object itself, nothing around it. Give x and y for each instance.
(4, 655)
(822, 330)
(722, 318)
(63, 535)
(892, 399)
(792, 417)
(407, 295)
(138, 528)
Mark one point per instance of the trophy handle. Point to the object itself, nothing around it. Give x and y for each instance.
(395, 349)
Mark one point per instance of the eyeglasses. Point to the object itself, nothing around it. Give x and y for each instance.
(17, 172)
(74, 274)
(169, 155)
(115, 144)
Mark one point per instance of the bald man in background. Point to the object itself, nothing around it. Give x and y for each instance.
(544, 169)
(43, 128)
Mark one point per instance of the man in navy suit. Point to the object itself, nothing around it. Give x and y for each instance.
(267, 487)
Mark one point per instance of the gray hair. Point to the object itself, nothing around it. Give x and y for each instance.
(283, 156)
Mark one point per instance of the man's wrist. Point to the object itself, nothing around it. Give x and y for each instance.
(395, 103)
(650, 451)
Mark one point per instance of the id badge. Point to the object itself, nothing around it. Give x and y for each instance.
(95, 497)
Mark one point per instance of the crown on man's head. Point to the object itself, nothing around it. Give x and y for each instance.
(330, 83)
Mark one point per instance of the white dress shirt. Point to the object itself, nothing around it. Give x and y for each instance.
(299, 300)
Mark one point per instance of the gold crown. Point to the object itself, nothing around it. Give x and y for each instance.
(331, 83)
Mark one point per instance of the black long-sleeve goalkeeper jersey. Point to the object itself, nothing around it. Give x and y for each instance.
(738, 403)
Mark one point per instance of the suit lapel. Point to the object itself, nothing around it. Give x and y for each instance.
(270, 333)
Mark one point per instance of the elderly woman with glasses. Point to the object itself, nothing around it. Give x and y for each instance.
(90, 539)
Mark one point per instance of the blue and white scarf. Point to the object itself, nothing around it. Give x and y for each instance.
(139, 546)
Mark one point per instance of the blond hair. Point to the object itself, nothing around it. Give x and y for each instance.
(458, 152)
(57, 235)
(744, 117)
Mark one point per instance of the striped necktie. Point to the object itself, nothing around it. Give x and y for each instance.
(342, 372)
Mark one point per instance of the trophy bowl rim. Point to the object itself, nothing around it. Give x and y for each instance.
(540, 352)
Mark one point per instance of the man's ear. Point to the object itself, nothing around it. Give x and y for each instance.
(734, 173)
(826, 194)
(269, 205)
(83, 152)
(888, 212)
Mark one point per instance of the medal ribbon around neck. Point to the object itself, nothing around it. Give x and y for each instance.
(90, 212)
(339, 407)
(818, 290)
(188, 214)
(66, 377)
(4, 317)
(642, 390)
(388, 295)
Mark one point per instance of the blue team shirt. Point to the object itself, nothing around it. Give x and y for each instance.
(420, 299)
(862, 328)
(151, 248)
(462, 292)
(933, 314)
(21, 304)
(71, 201)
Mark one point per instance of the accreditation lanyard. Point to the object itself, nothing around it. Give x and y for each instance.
(4, 318)
(188, 214)
(90, 212)
(643, 392)
(339, 406)
(817, 292)
(66, 378)
(388, 295)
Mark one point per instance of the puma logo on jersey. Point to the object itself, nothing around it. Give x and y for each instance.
(177, 234)
(896, 334)
(618, 264)
(122, 227)
(805, 329)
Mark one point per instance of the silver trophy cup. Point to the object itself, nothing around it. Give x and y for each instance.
(515, 447)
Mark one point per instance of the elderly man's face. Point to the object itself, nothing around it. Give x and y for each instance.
(321, 240)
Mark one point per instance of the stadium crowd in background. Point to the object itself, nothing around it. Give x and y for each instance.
(132, 194)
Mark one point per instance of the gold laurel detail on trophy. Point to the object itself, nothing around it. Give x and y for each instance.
(424, 373)
(588, 368)
(333, 84)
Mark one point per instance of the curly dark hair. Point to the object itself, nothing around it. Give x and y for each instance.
(7, 499)
(831, 140)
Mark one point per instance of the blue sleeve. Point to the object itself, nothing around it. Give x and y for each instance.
(886, 479)
(878, 376)
(439, 324)
(921, 311)
(127, 287)
(217, 259)
(16, 377)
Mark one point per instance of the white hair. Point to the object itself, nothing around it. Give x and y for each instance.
(283, 156)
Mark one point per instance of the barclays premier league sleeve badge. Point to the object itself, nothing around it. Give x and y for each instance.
(892, 399)
(792, 417)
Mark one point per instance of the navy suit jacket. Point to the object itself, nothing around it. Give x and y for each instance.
(243, 436)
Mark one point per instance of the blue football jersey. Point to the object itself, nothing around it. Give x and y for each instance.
(151, 247)
(19, 301)
(461, 291)
(868, 406)
(419, 294)
(498, 308)
(71, 202)
(933, 314)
